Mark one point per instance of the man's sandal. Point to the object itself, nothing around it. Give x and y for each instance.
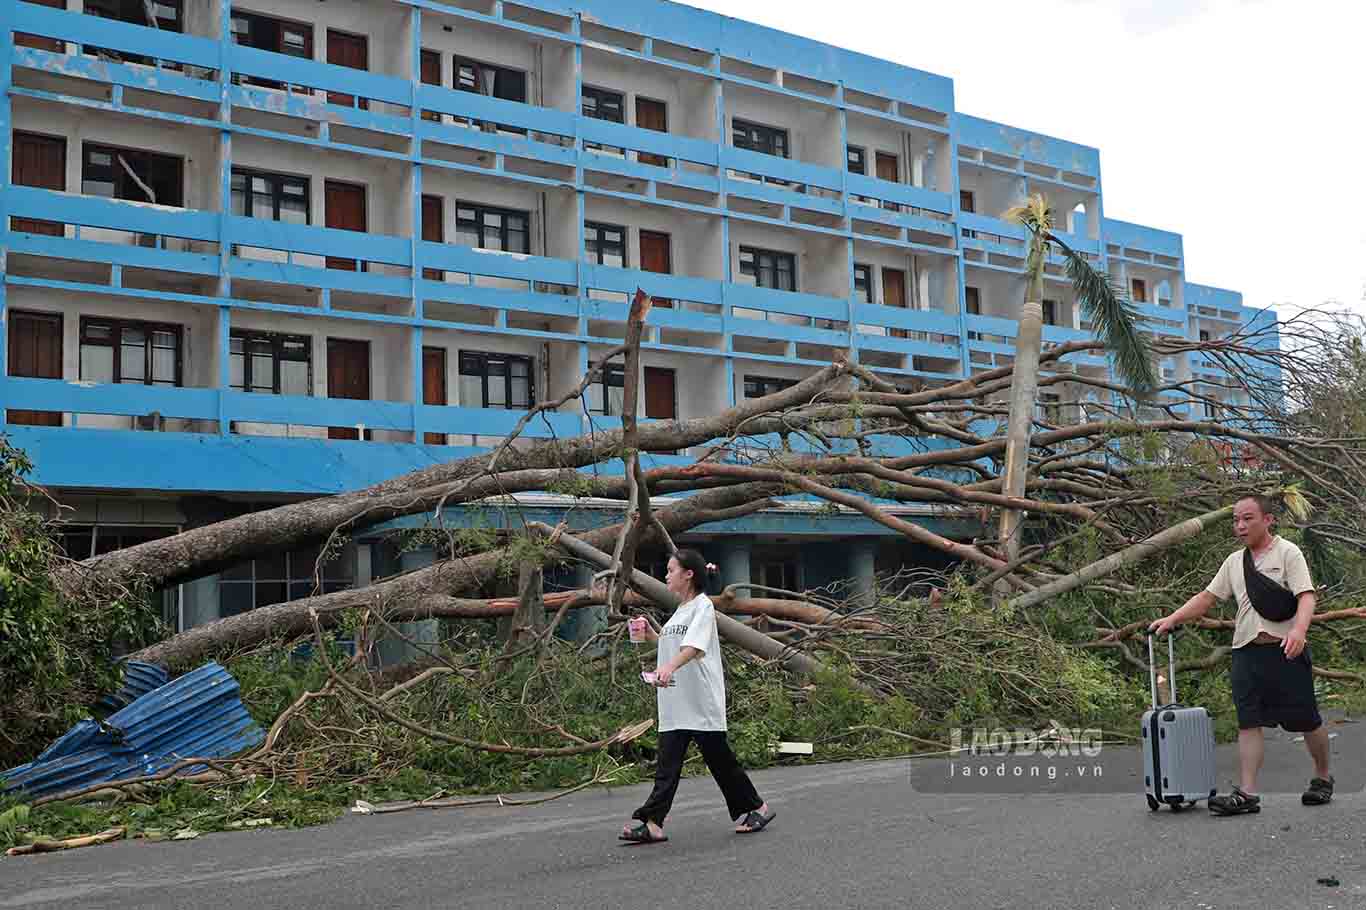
(641, 834)
(1320, 791)
(754, 822)
(1236, 803)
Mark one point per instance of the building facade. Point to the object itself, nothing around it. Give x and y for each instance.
(280, 249)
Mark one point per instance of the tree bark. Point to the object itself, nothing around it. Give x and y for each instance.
(1023, 389)
(1126, 557)
(201, 551)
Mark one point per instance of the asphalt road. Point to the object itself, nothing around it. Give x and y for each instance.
(846, 835)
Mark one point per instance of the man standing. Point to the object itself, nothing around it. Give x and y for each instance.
(1273, 681)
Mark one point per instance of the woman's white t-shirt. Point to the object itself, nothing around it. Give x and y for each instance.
(697, 700)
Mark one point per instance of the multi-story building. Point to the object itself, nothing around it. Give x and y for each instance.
(262, 252)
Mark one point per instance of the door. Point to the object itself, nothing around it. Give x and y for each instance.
(38, 161)
(350, 51)
(655, 257)
(659, 394)
(344, 204)
(652, 115)
(888, 168)
(348, 376)
(431, 75)
(35, 352)
(433, 230)
(434, 387)
(894, 293)
(42, 44)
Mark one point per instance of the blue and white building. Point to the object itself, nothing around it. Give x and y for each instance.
(261, 252)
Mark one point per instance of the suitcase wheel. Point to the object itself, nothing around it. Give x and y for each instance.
(1153, 804)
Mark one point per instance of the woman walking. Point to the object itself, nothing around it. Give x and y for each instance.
(691, 694)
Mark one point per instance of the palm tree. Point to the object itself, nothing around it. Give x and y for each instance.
(1105, 307)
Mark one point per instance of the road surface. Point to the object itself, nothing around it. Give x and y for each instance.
(856, 835)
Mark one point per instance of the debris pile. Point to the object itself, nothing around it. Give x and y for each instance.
(198, 715)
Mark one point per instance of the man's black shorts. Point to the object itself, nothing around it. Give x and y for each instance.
(1271, 690)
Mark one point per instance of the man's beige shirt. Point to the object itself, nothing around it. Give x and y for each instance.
(1284, 564)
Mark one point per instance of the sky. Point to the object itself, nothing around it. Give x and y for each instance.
(1239, 124)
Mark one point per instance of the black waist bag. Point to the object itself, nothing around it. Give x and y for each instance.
(1273, 602)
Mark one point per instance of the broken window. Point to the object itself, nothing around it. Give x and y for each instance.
(160, 14)
(134, 175)
(857, 160)
(267, 33)
(491, 81)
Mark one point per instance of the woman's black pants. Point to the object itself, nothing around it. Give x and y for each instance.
(735, 784)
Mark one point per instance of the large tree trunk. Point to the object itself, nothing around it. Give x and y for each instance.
(1023, 388)
(1126, 557)
(201, 551)
(403, 599)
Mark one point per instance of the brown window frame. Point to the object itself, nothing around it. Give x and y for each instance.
(118, 326)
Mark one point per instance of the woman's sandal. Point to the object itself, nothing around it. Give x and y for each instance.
(640, 834)
(754, 822)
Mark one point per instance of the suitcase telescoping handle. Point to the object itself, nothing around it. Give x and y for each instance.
(1171, 665)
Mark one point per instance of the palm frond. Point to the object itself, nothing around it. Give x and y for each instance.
(1115, 319)
(1295, 502)
(1033, 213)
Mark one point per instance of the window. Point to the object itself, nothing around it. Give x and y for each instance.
(85, 541)
(857, 161)
(605, 244)
(769, 268)
(607, 395)
(488, 228)
(496, 381)
(1139, 290)
(492, 81)
(863, 283)
(136, 175)
(768, 140)
(280, 577)
(967, 202)
(1050, 312)
(972, 298)
(759, 386)
(1204, 335)
(271, 196)
(167, 12)
(487, 79)
(271, 362)
(604, 104)
(267, 33)
(136, 12)
(120, 350)
(781, 575)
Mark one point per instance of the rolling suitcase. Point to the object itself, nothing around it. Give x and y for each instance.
(1178, 746)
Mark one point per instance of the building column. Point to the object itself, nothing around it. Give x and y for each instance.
(390, 650)
(733, 559)
(862, 570)
(582, 624)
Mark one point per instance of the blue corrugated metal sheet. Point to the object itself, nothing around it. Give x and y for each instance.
(199, 714)
(139, 678)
